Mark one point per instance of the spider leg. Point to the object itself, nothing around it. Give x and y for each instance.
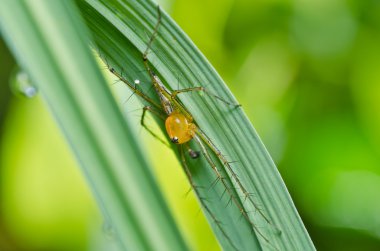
(143, 124)
(154, 34)
(234, 176)
(230, 192)
(205, 90)
(204, 205)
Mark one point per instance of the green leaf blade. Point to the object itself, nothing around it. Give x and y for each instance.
(50, 43)
(172, 54)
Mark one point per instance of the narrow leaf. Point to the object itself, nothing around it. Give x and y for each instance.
(121, 30)
(50, 42)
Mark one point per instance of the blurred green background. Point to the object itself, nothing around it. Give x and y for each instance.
(307, 74)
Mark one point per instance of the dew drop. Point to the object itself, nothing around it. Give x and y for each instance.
(23, 85)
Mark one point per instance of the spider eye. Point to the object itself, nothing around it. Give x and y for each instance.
(174, 140)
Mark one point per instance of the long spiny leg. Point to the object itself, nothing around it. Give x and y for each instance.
(149, 46)
(227, 188)
(155, 80)
(154, 34)
(133, 87)
(189, 176)
(199, 89)
(226, 163)
(142, 122)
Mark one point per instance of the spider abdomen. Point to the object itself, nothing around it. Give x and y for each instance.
(179, 129)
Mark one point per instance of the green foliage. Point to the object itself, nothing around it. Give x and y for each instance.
(49, 42)
(120, 32)
(77, 95)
